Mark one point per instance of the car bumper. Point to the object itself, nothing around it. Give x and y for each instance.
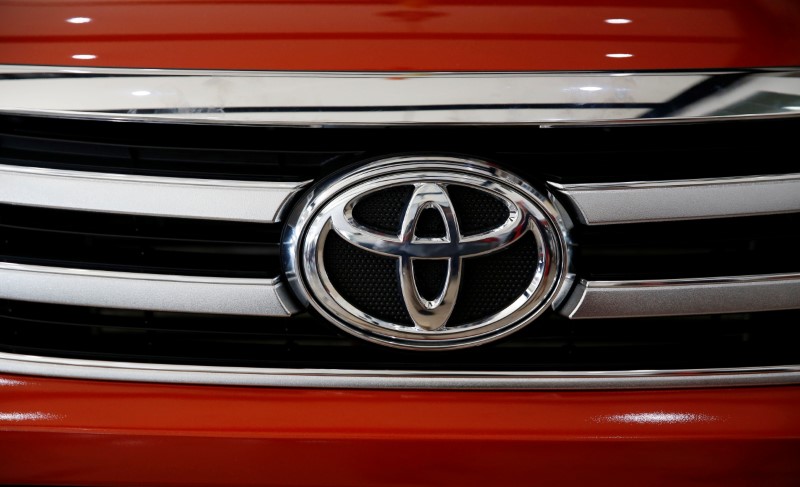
(160, 434)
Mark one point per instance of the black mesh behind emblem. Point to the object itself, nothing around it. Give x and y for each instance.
(491, 282)
(383, 210)
(368, 281)
(476, 211)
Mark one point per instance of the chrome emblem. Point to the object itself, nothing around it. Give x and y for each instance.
(329, 211)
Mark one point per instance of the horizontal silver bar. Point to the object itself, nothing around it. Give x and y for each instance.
(154, 292)
(713, 295)
(636, 202)
(352, 98)
(403, 379)
(211, 199)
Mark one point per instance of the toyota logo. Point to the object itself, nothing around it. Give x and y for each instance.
(355, 252)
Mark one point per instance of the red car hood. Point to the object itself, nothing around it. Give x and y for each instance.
(411, 35)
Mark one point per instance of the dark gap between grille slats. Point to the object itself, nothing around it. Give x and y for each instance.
(551, 343)
(236, 155)
(660, 250)
(563, 154)
(129, 243)
(700, 248)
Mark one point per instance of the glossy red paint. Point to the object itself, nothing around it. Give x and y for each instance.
(150, 434)
(416, 35)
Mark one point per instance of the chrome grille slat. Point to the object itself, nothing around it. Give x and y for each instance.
(397, 379)
(391, 98)
(632, 202)
(674, 297)
(249, 201)
(81, 287)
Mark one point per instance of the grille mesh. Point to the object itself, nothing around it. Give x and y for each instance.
(491, 282)
(383, 210)
(366, 280)
(477, 211)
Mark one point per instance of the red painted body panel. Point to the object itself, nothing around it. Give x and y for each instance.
(376, 35)
(104, 433)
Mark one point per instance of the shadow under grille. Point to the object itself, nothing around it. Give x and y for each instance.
(552, 343)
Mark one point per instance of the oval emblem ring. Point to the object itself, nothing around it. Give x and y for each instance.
(426, 252)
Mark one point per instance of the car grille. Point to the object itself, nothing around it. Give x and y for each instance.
(142, 324)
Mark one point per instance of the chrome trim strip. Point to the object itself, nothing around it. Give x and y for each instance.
(212, 199)
(672, 297)
(386, 379)
(353, 98)
(650, 201)
(155, 292)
